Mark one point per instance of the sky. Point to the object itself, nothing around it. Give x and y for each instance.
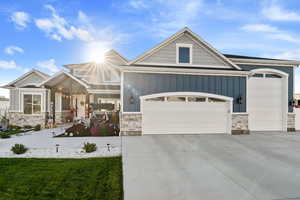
(46, 34)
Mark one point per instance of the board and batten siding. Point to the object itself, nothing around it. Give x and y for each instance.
(201, 55)
(140, 84)
(288, 70)
(14, 100)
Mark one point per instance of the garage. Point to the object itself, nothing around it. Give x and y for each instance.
(267, 100)
(186, 113)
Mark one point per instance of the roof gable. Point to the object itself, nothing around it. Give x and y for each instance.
(33, 77)
(203, 54)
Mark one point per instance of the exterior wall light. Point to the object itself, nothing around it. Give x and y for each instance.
(239, 100)
(131, 100)
(292, 103)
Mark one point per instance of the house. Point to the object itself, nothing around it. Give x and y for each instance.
(4, 106)
(181, 86)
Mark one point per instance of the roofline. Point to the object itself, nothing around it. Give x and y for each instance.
(66, 73)
(175, 36)
(72, 66)
(42, 74)
(172, 70)
(288, 63)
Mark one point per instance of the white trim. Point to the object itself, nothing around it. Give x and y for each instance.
(131, 113)
(122, 91)
(67, 74)
(216, 67)
(190, 46)
(285, 103)
(202, 94)
(281, 63)
(164, 70)
(174, 37)
(268, 70)
(36, 94)
(98, 91)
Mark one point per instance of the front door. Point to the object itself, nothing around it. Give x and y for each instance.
(79, 105)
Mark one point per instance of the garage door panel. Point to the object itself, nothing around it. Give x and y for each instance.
(265, 104)
(185, 117)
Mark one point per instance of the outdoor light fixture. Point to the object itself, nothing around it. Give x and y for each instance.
(57, 145)
(131, 100)
(108, 147)
(292, 103)
(239, 100)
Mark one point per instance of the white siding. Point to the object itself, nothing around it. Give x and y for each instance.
(201, 55)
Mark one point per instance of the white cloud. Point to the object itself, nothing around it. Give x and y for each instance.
(137, 4)
(260, 28)
(166, 16)
(11, 65)
(273, 11)
(271, 32)
(57, 28)
(289, 55)
(21, 19)
(11, 50)
(49, 65)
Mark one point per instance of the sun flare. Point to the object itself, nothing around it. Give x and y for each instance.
(96, 53)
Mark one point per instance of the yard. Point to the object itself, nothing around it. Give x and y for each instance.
(61, 179)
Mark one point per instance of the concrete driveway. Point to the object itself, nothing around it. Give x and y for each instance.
(207, 167)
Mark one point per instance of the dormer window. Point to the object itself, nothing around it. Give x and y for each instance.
(184, 53)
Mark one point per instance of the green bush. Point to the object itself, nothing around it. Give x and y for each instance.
(89, 147)
(37, 127)
(4, 135)
(18, 149)
(27, 127)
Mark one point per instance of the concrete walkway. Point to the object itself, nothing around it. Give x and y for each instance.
(207, 167)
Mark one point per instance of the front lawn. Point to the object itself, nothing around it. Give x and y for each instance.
(61, 179)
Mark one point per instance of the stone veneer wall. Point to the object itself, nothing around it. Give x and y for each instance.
(131, 123)
(291, 122)
(20, 119)
(240, 123)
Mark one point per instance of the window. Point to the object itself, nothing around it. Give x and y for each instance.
(156, 99)
(32, 104)
(66, 102)
(196, 99)
(184, 53)
(175, 98)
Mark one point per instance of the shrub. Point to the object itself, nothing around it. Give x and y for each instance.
(18, 149)
(4, 135)
(89, 147)
(27, 127)
(37, 127)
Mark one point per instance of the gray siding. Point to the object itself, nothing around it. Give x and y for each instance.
(140, 84)
(289, 70)
(201, 55)
(31, 79)
(14, 100)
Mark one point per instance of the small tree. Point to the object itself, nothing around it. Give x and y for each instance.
(19, 149)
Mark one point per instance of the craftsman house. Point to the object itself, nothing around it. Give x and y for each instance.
(181, 86)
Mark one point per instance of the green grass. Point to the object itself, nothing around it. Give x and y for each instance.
(12, 132)
(61, 179)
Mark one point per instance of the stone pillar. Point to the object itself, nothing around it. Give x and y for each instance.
(131, 123)
(239, 124)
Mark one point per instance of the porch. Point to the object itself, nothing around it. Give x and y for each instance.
(72, 99)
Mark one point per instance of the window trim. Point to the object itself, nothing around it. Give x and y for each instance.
(190, 46)
(41, 105)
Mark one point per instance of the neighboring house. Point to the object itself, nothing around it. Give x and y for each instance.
(181, 86)
(4, 106)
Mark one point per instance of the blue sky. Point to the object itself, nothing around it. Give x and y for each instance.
(45, 34)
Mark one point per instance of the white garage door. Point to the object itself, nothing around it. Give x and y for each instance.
(186, 113)
(266, 103)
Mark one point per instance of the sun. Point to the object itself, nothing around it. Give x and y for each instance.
(96, 53)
